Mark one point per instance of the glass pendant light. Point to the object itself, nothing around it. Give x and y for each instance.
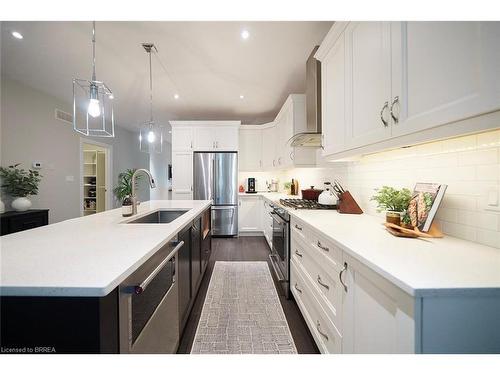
(93, 104)
(151, 134)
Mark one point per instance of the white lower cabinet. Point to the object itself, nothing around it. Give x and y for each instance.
(378, 317)
(347, 307)
(249, 214)
(324, 332)
(267, 223)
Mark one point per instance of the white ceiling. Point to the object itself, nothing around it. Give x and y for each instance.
(207, 63)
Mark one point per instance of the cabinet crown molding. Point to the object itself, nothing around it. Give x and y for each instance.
(330, 39)
(204, 123)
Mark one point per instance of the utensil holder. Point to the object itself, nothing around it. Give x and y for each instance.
(347, 204)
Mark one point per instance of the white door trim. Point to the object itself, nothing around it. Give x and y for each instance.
(109, 171)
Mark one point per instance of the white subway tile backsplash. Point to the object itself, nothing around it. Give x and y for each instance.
(488, 237)
(488, 172)
(469, 165)
(478, 157)
(458, 230)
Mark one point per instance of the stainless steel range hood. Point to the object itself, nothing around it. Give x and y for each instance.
(312, 136)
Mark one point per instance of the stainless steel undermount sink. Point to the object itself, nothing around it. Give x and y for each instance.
(159, 217)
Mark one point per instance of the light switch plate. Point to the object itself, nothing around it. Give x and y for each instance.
(70, 178)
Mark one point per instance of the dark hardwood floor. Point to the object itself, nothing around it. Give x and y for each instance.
(246, 249)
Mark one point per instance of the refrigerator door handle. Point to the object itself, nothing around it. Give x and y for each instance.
(214, 179)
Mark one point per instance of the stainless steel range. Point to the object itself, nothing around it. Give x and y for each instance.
(280, 253)
(305, 204)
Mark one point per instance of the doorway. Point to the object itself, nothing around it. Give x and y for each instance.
(95, 177)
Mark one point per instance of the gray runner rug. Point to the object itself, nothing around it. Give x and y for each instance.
(242, 313)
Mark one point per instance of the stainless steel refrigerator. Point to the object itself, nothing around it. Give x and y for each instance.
(216, 178)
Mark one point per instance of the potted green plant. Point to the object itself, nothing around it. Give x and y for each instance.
(393, 201)
(124, 187)
(19, 184)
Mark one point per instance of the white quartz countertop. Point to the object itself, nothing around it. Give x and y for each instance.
(87, 256)
(421, 267)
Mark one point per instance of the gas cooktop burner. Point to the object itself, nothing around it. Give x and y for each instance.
(305, 204)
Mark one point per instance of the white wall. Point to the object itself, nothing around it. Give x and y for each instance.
(30, 132)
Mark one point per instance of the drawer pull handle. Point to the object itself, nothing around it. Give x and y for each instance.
(318, 327)
(322, 283)
(340, 276)
(322, 247)
(297, 227)
(298, 253)
(297, 288)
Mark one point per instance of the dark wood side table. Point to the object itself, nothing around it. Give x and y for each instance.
(14, 221)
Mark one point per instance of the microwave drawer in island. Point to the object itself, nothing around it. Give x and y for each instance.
(138, 316)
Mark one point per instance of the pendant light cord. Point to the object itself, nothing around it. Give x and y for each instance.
(150, 88)
(93, 51)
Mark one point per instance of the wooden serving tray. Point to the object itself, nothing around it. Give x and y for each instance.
(398, 231)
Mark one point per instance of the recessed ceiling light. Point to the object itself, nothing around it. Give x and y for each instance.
(242, 97)
(17, 35)
(170, 132)
(245, 34)
(176, 96)
(111, 96)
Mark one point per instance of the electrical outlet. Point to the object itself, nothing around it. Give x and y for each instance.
(492, 200)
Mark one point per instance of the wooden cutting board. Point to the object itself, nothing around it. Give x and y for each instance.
(399, 231)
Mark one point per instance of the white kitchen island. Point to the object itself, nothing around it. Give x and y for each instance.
(87, 256)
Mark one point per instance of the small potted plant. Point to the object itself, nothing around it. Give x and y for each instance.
(393, 201)
(19, 184)
(123, 191)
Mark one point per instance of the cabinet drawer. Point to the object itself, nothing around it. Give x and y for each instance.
(323, 330)
(299, 229)
(317, 241)
(323, 278)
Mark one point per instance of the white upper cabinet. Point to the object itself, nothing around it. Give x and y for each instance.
(368, 77)
(204, 139)
(333, 92)
(268, 148)
(182, 138)
(226, 138)
(443, 72)
(275, 150)
(391, 84)
(250, 155)
(211, 136)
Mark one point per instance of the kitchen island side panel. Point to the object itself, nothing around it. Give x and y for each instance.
(460, 324)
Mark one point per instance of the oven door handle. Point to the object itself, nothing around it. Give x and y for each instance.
(138, 289)
(277, 218)
(277, 271)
